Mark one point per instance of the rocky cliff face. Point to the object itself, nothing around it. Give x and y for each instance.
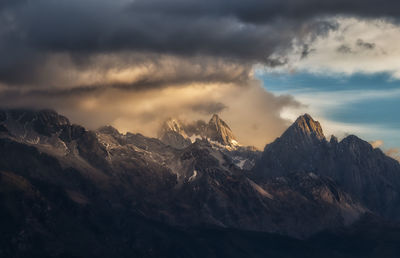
(298, 149)
(367, 173)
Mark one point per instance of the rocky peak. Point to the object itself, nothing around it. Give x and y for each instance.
(173, 125)
(305, 129)
(219, 131)
(45, 122)
(108, 129)
(215, 119)
(178, 134)
(334, 140)
(309, 126)
(173, 133)
(295, 151)
(44, 117)
(356, 145)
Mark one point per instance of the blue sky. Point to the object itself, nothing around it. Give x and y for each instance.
(363, 104)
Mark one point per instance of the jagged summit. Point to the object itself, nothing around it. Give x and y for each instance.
(174, 125)
(179, 134)
(309, 125)
(219, 131)
(172, 132)
(305, 127)
(108, 129)
(355, 143)
(45, 122)
(215, 119)
(352, 162)
(295, 146)
(218, 122)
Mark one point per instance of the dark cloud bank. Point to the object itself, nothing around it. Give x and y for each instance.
(62, 53)
(237, 31)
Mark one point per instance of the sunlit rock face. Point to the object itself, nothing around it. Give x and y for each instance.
(179, 134)
(173, 134)
(306, 129)
(216, 132)
(219, 131)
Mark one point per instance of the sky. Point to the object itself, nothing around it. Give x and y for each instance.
(365, 105)
(258, 63)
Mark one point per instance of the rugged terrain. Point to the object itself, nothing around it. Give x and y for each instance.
(364, 172)
(194, 192)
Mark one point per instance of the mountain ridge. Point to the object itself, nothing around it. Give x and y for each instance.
(122, 177)
(363, 171)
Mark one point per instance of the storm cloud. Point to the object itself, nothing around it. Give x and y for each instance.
(32, 32)
(148, 57)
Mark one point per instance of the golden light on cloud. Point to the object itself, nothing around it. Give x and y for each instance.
(376, 144)
(252, 113)
(137, 92)
(88, 104)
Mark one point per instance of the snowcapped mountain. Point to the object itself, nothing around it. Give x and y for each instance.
(55, 173)
(180, 134)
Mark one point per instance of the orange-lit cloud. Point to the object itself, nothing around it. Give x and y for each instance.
(394, 153)
(251, 112)
(376, 144)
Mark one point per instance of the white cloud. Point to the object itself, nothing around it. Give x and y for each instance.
(320, 104)
(355, 46)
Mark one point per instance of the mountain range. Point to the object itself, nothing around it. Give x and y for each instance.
(194, 191)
